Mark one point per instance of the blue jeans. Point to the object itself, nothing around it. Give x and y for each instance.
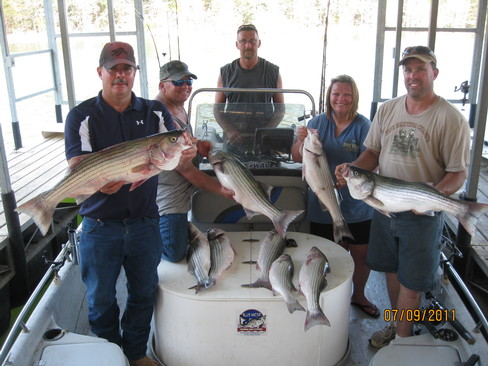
(106, 247)
(408, 245)
(174, 231)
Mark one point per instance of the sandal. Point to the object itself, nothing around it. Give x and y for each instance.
(369, 309)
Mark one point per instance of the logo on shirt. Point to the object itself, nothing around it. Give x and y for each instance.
(141, 122)
(405, 143)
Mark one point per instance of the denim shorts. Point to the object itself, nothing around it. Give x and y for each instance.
(174, 232)
(408, 245)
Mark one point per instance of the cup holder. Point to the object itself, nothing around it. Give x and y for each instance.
(53, 334)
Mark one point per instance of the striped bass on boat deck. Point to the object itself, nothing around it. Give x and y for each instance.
(133, 161)
(198, 257)
(395, 195)
(280, 277)
(312, 282)
(221, 254)
(234, 176)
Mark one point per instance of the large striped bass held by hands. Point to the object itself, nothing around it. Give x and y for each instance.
(133, 161)
(234, 176)
(319, 178)
(389, 195)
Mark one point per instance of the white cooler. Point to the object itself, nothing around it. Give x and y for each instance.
(232, 325)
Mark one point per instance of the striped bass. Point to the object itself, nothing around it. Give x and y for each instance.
(280, 276)
(395, 195)
(221, 253)
(133, 161)
(234, 176)
(270, 248)
(198, 257)
(312, 282)
(319, 178)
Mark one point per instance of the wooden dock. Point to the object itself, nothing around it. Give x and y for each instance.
(33, 171)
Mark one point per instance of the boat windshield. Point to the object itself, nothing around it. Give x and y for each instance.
(259, 134)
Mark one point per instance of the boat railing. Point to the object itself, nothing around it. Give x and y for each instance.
(69, 252)
(469, 297)
(250, 90)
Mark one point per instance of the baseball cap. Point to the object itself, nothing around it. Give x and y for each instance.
(114, 53)
(422, 53)
(174, 70)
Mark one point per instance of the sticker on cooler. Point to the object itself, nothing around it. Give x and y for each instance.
(251, 322)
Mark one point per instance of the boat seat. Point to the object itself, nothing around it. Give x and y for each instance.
(209, 209)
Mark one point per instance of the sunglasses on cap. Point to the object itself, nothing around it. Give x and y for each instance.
(418, 50)
(188, 82)
(247, 27)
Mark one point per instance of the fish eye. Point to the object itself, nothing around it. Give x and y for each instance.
(173, 139)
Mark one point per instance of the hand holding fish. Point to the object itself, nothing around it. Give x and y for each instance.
(204, 147)
(341, 181)
(301, 133)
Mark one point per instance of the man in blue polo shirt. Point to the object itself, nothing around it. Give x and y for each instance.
(120, 228)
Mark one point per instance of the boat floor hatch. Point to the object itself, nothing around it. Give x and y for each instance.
(90, 351)
(413, 355)
(212, 320)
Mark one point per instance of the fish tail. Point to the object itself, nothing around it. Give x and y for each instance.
(470, 215)
(341, 231)
(261, 282)
(315, 317)
(41, 211)
(285, 219)
(294, 306)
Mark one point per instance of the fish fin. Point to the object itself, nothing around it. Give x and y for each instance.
(323, 207)
(74, 161)
(143, 168)
(341, 231)
(286, 218)
(386, 213)
(81, 198)
(136, 184)
(470, 215)
(197, 288)
(249, 213)
(373, 201)
(315, 318)
(40, 210)
(261, 283)
(294, 306)
(266, 188)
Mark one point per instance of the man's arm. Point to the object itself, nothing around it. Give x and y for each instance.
(220, 116)
(279, 106)
(451, 182)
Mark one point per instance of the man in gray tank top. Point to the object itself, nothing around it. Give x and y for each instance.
(240, 113)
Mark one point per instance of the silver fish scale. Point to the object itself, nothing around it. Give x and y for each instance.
(244, 184)
(316, 272)
(109, 163)
(280, 276)
(397, 198)
(270, 249)
(220, 256)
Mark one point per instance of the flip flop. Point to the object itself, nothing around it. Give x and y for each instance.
(374, 312)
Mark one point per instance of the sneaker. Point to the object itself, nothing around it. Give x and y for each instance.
(383, 337)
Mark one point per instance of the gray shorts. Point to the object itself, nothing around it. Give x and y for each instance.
(408, 245)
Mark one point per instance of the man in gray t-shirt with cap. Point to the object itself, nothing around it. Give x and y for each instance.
(174, 188)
